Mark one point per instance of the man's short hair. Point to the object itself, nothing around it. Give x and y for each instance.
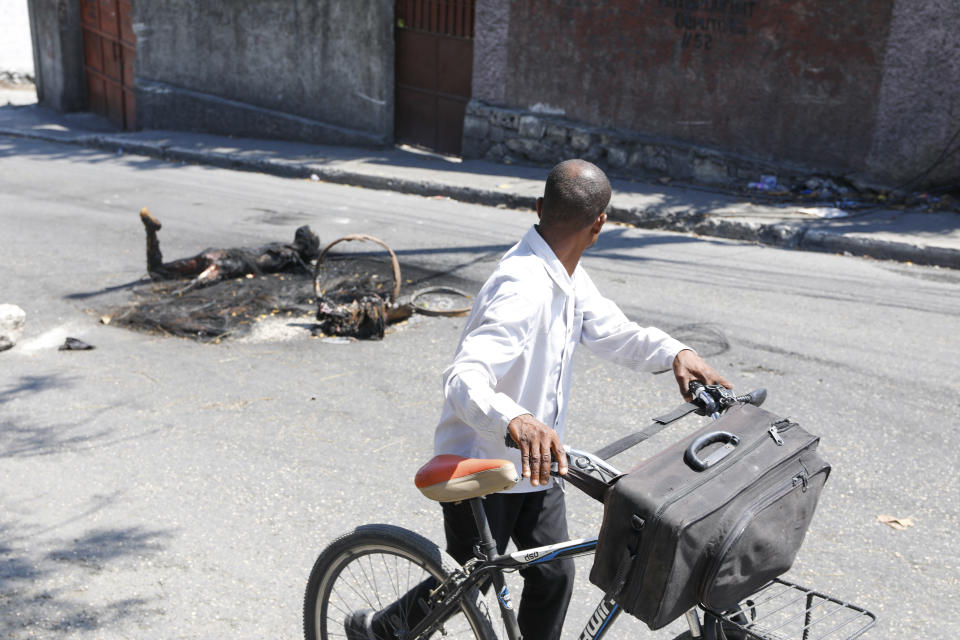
(576, 193)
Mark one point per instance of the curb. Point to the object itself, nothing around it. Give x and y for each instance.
(784, 235)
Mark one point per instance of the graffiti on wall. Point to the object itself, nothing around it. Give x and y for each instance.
(702, 23)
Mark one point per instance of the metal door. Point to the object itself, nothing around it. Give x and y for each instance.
(109, 46)
(434, 68)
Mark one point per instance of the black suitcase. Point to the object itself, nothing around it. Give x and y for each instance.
(710, 519)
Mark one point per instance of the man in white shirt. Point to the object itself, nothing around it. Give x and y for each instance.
(511, 378)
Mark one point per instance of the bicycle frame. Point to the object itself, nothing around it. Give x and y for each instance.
(479, 570)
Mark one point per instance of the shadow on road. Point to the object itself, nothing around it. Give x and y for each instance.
(30, 385)
(83, 295)
(40, 591)
(20, 438)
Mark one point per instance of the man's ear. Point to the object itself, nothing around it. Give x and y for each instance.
(539, 208)
(598, 223)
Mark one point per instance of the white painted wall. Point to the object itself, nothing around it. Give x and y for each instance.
(16, 50)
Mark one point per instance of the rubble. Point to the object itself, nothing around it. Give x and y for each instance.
(848, 195)
(12, 320)
(75, 344)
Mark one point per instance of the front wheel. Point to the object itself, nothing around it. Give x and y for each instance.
(373, 584)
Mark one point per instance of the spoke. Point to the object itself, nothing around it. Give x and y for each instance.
(364, 597)
(338, 604)
(382, 579)
(376, 587)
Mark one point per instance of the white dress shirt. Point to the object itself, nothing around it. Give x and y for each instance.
(516, 351)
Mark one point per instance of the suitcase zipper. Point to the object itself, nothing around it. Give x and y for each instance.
(779, 491)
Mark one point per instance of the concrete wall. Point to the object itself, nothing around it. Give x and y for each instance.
(58, 54)
(313, 70)
(918, 110)
(827, 85)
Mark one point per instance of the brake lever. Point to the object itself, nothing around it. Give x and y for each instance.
(713, 399)
(703, 399)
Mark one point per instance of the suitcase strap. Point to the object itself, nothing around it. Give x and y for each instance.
(627, 441)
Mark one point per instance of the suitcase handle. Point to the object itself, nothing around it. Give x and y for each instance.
(695, 462)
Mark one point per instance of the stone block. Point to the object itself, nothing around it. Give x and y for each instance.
(580, 140)
(531, 149)
(475, 147)
(505, 119)
(497, 134)
(496, 152)
(522, 146)
(556, 134)
(616, 157)
(654, 159)
(531, 127)
(475, 127)
(679, 164)
(479, 110)
(593, 154)
(12, 319)
(710, 170)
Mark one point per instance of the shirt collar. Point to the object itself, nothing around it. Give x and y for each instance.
(551, 262)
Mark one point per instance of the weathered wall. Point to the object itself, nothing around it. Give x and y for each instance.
(490, 62)
(315, 69)
(58, 54)
(781, 78)
(805, 83)
(918, 111)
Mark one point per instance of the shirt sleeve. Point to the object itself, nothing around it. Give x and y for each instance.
(485, 355)
(608, 333)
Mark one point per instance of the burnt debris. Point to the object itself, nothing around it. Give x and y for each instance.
(223, 293)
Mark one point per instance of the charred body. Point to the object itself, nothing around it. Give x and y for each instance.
(212, 265)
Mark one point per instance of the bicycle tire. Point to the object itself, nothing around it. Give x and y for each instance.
(372, 568)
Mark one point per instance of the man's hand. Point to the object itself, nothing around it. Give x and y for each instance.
(537, 443)
(688, 366)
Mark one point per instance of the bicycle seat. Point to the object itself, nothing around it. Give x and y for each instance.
(450, 478)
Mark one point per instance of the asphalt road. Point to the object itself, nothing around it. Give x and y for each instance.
(158, 487)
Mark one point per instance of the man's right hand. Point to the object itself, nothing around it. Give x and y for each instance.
(537, 443)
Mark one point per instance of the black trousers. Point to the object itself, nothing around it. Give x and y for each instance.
(530, 520)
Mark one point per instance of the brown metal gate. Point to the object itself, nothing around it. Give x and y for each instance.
(434, 70)
(109, 45)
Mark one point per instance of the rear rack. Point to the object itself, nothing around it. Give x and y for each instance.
(783, 610)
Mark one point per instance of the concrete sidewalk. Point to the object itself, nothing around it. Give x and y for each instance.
(921, 237)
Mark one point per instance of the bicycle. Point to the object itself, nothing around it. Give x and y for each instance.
(382, 582)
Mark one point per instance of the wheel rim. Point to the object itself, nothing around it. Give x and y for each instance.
(374, 577)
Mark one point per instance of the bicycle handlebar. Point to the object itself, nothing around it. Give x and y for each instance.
(710, 400)
(713, 399)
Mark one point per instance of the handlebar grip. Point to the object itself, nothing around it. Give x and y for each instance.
(757, 396)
